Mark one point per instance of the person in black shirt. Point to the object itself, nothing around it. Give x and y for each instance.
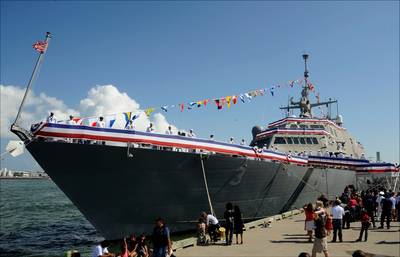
(324, 200)
(238, 224)
(161, 239)
(132, 245)
(369, 205)
(141, 247)
(228, 215)
(386, 211)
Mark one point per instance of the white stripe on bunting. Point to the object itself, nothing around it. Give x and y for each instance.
(120, 135)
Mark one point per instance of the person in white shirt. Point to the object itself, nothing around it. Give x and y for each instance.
(51, 118)
(71, 120)
(169, 131)
(231, 141)
(337, 218)
(242, 142)
(379, 205)
(212, 225)
(211, 137)
(150, 128)
(191, 133)
(101, 123)
(393, 200)
(101, 250)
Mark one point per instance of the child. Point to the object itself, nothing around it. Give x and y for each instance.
(201, 232)
(365, 223)
(329, 224)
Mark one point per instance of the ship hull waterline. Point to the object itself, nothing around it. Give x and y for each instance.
(121, 190)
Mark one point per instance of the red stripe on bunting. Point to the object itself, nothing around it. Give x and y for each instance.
(165, 144)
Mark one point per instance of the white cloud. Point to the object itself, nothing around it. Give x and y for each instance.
(36, 108)
(101, 100)
(107, 100)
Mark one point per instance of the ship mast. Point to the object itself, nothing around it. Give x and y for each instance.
(15, 128)
(304, 104)
(306, 87)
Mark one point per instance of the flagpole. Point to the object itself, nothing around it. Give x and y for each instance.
(37, 65)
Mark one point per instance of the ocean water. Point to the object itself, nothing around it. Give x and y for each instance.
(37, 219)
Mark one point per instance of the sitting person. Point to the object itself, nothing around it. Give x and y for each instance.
(101, 250)
(132, 245)
(124, 249)
(142, 249)
(201, 232)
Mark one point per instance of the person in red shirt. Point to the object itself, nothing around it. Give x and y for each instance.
(365, 223)
(329, 224)
(352, 202)
(309, 222)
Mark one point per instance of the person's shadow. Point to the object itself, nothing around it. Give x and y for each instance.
(293, 238)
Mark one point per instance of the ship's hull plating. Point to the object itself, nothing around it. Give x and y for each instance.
(120, 194)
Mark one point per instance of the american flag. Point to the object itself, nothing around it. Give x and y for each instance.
(40, 46)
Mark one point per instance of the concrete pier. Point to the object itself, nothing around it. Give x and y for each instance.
(286, 237)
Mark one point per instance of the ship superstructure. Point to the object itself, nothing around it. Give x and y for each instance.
(307, 135)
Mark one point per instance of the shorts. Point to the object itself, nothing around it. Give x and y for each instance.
(309, 225)
(320, 245)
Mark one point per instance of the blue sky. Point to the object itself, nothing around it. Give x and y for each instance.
(163, 53)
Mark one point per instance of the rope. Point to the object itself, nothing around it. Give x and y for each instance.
(206, 185)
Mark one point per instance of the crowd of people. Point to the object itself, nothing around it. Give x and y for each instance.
(209, 230)
(366, 207)
(139, 246)
(322, 220)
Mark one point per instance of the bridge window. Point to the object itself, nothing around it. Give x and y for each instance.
(317, 126)
(314, 140)
(263, 142)
(293, 126)
(303, 126)
(289, 140)
(295, 140)
(279, 140)
(302, 140)
(308, 140)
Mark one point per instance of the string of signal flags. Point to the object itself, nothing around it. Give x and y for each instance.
(220, 103)
(230, 100)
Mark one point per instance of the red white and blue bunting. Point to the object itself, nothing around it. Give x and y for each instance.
(63, 132)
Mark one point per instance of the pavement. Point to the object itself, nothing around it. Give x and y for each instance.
(287, 237)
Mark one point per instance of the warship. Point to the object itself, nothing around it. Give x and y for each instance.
(121, 180)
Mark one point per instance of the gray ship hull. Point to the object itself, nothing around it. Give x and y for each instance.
(120, 194)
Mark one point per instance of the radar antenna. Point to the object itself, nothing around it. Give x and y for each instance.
(304, 104)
